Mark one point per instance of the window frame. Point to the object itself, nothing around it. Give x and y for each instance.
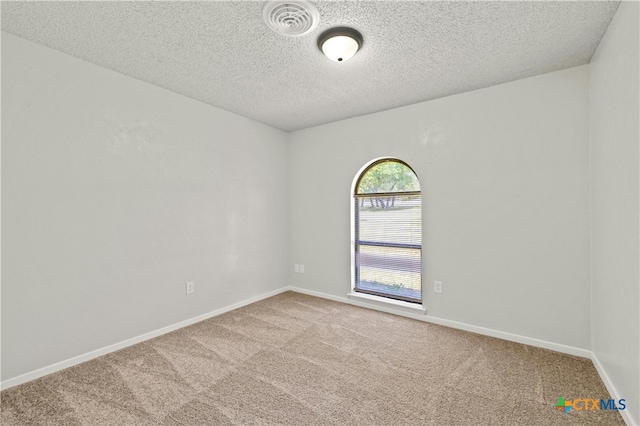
(356, 243)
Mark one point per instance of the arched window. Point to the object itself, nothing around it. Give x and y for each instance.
(388, 231)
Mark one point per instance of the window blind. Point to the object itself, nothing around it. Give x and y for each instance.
(388, 245)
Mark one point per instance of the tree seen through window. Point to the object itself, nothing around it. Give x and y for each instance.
(388, 231)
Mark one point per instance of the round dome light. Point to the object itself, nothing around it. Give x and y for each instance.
(340, 44)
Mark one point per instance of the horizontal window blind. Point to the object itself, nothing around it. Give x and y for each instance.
(388, 246)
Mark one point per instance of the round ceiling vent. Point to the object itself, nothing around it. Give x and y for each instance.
(290, 18)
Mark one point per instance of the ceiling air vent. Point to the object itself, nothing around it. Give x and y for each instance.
(290, 18)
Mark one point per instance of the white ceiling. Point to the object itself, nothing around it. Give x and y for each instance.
(223, 54)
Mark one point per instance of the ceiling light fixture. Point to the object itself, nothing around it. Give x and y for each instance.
(340, 44)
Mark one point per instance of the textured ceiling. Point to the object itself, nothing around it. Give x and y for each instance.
(223, 54)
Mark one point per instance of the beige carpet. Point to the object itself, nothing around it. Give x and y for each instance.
(300, 360)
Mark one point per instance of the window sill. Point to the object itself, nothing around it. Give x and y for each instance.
(383, 301)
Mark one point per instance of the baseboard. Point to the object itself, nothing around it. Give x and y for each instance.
(41, 372)
(44, 371)
(558, 347)
(627, 415)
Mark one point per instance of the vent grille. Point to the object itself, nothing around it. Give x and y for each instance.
(291, 18)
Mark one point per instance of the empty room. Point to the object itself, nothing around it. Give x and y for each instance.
(320, 212)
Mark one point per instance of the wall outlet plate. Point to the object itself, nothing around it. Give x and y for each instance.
(190, 287)
(437, 286)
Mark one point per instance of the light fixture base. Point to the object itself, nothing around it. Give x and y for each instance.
(340, 43)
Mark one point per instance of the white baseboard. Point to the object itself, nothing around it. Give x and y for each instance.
(558, 347)
(27, 377)
(627, 415)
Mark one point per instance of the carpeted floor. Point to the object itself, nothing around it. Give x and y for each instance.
(300, 360)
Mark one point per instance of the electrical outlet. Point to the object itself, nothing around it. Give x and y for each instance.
(297, 268)
(437, 286)
(302, 269)
(191, 287)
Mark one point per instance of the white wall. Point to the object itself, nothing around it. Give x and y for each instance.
(504, 174)
(615, 312)
(114, 194)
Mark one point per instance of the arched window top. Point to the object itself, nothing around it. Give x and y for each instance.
(387, 231)
(387, 176)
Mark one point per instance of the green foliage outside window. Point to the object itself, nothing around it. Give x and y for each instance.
(388, 176)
